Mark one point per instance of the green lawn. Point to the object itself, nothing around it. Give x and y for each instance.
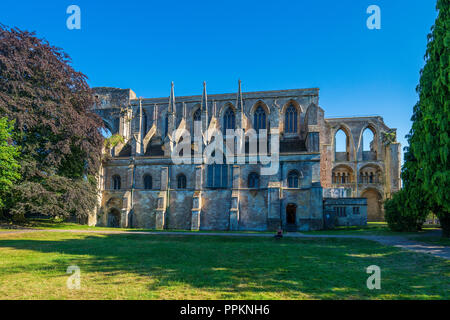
(127, 266)
(372, 228)
(433, 240)
(52, 224)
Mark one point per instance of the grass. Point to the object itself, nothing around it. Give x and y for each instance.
(372, 228)
(128, 266)
(432, 240)
(52, 224)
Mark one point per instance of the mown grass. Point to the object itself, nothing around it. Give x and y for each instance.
(432, 240)
(372, 228)
(44, 224)
(128, 266)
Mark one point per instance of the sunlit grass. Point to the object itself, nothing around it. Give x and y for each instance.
(126, 266)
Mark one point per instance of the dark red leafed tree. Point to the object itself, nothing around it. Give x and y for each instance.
(58, 134)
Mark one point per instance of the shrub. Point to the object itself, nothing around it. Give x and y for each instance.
(402, 215)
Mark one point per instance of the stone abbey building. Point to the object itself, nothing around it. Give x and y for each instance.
(142, 187)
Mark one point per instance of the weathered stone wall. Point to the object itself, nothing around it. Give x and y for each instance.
(351, 218)
(383, 160)
(147, 124)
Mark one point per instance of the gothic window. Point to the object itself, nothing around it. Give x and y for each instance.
(217, 176)
(144, 122)
(253, 180)
(116, 182)
(293, 179)
(166, 124)
(290, 123)
(181, 181)
(198, 115)
(148, 182)
(229, 120)
(259, 119)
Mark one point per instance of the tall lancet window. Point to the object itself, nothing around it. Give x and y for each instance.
(144, 122)
(166, 125)
(198, 115)
(259, 119)
(229, 120)
(290, 123)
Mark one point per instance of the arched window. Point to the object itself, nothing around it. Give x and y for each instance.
(217, 176)
(229, 120)
(341, 146)
(166, 125)
(253, 180)
(181, 181)
(290, 123)
(144, 122)
(116, 182)
(369, 144)
(148, 182)
(198, 115)
(293, 179)
(259, 119)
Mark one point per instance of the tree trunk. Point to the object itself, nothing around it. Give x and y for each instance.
(444, 219)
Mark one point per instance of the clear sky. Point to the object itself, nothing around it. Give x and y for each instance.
(270, 45)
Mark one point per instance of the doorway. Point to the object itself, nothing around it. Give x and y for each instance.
(291, 214)
(114, 218)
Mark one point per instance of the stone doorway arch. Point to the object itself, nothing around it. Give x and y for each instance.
(374, 199)
(113, 219)
(291, 214)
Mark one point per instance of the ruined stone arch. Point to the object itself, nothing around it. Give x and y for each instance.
(373, 128)
(350, 145)
(113, 218)
(342, 174)
(374, 204)
(114, 202)
(365, 174)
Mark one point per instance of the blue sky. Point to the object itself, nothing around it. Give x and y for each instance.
(144, 45)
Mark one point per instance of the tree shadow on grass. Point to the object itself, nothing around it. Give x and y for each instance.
(237, 267)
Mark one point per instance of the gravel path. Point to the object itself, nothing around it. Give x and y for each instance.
(395, 241)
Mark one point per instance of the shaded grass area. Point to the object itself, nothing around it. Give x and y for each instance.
(372, 228)
(126, 266)
(435, 240)
(55, 224)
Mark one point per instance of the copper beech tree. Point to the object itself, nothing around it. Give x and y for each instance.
(59, 138)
